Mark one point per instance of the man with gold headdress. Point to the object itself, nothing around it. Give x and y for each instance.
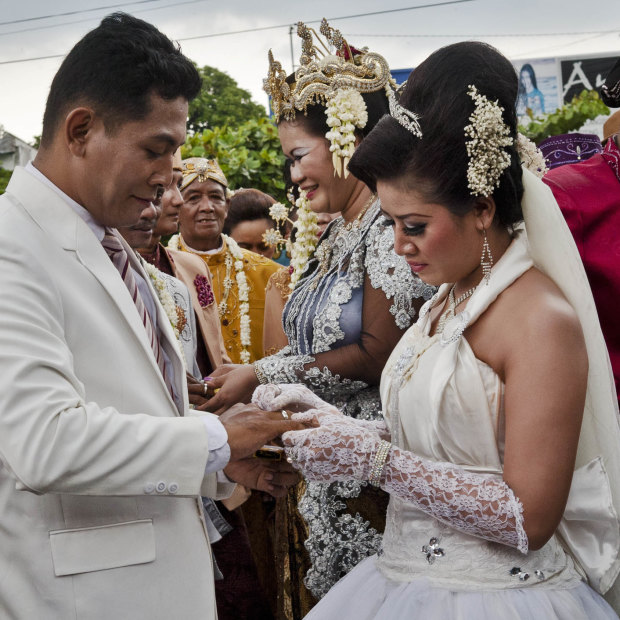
(192, 271)
(239, 276)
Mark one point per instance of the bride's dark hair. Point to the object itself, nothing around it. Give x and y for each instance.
(436, 165)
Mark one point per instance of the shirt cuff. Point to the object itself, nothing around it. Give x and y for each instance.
(219, 450)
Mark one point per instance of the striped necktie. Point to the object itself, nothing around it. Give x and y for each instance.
(120, 259)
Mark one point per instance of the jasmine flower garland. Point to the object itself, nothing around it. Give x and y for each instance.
(165, 298)
(306, 238)
(234, 258)
(346, 112)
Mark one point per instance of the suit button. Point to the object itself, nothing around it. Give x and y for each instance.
(161, 486)
(173, 488)
(149, 488)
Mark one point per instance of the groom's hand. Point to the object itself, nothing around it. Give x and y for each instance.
(272, 477)
(249, 428)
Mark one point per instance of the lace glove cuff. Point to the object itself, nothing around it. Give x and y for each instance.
(282, 368)
(342, 448)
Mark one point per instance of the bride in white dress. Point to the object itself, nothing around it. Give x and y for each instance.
(500, 442)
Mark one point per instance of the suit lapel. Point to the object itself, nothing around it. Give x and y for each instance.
(70, 232)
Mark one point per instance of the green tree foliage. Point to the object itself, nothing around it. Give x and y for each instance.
(221, 102)
(5, 176)
(249, 154)
(569, 117)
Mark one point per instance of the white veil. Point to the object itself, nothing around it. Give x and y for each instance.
(590, 527)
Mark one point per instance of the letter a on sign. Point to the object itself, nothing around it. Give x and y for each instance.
(577, 77)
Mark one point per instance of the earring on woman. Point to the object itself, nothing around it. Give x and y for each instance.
(486, 261)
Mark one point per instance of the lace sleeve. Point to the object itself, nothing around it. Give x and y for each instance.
(482, 505)
(391, 273)
(478, 504)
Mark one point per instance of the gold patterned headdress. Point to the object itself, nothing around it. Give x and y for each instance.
(202, 169)
(335, 79)
(321, 73)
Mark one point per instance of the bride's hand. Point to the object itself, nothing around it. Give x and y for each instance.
(294, 396)
(340, 449)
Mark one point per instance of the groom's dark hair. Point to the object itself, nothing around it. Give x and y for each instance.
(115, 69)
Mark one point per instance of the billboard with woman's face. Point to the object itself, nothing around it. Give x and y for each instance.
(538, 86)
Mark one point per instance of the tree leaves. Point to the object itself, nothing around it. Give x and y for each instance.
(570, 117)
(221, 102)
(248, 153)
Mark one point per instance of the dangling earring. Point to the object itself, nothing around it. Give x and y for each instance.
(486, 261)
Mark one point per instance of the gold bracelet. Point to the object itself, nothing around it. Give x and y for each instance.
(260, 375)
(379, 463)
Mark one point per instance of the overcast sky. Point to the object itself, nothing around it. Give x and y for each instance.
(519, 28)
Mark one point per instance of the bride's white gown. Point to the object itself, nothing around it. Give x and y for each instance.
(443, 404)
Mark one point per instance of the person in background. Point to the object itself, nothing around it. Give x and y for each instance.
(248, 220)
(237, 591)
(352, 299)
(193, 272)
(239, 276)
(588, 194)
(172, 293)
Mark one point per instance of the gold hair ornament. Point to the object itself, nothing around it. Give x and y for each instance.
(335, 80)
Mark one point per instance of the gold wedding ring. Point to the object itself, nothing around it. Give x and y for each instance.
(204, 388)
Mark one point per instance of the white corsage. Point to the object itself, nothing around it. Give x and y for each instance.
(531, 156)
(175, 314)
(488, 136)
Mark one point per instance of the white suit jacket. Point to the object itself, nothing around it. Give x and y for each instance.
(99, 474)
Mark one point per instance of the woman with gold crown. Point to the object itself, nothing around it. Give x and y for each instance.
(500, 443)
(353, 297)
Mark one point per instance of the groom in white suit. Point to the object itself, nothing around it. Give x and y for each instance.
(101, 464)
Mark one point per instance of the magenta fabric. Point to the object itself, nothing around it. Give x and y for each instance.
(588, 194)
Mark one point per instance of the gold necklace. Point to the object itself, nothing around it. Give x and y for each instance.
(324, 251)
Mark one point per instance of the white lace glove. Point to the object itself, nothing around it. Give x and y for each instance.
(272, 397)
(343, 449)
(478, 504)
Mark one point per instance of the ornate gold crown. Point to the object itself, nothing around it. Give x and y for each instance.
(322, 72)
